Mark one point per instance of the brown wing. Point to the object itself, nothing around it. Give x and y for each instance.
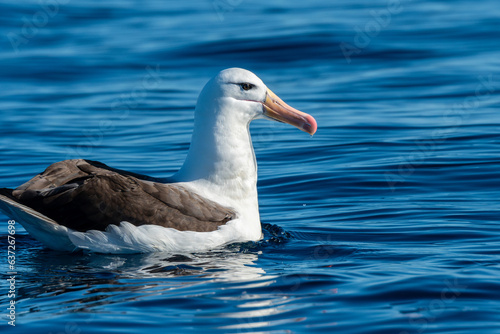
(87, 195)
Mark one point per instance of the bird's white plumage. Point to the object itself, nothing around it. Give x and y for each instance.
(220, 166)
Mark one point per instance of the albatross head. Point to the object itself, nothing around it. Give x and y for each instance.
(221, 154)
(238, 95)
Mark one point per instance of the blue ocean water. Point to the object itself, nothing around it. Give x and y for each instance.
(385, 221)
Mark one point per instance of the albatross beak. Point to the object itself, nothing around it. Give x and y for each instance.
(275, 108)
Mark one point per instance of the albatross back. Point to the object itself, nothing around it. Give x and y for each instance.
(88, 195)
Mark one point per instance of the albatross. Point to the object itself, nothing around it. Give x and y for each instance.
(211, 201)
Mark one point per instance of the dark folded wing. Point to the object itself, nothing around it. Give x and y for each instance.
(85, 195)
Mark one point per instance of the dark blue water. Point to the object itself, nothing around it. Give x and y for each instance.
(386, 221)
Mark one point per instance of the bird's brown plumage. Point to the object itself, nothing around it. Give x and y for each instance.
(88, 195)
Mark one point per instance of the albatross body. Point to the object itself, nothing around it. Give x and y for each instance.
(209, 202)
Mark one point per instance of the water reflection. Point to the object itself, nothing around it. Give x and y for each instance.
(96, 279)
(246, 296)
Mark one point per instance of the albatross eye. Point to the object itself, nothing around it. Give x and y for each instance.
(247, 86)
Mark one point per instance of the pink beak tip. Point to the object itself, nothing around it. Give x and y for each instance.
(311, 126)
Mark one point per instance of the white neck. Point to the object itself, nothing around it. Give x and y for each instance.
(220, 165)
(221, 155)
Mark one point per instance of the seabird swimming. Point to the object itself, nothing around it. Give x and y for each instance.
(209, 202)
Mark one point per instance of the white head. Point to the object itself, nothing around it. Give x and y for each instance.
(239, 95)
(221, 150)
